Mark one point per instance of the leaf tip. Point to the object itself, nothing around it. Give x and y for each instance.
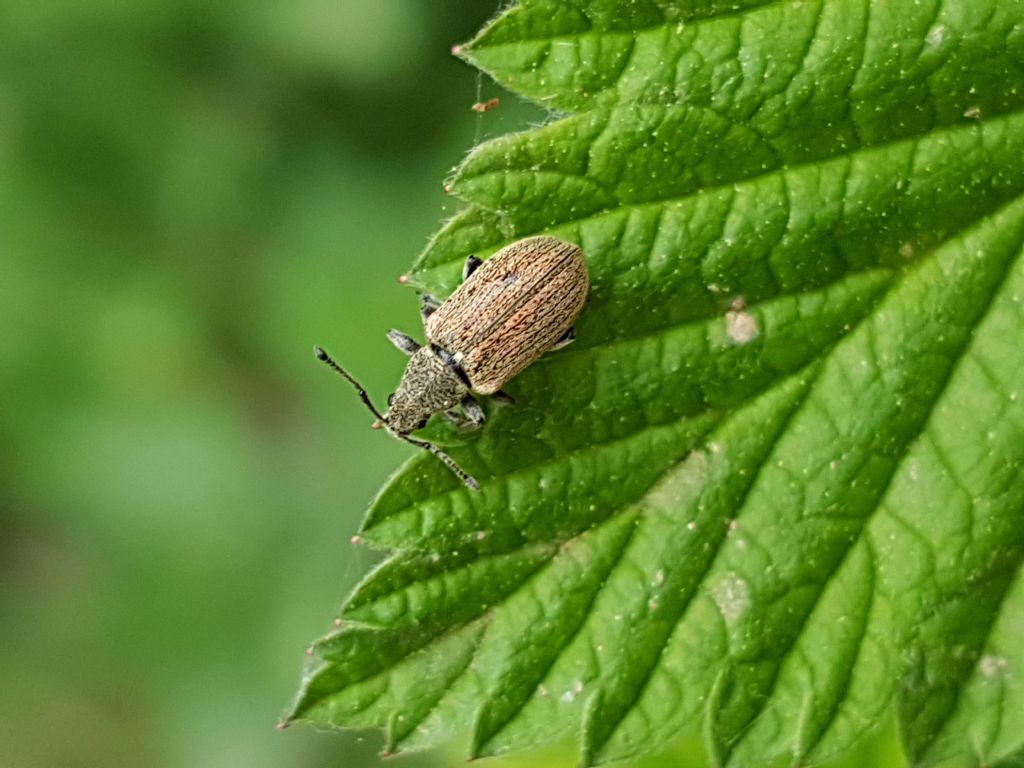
(478, 744)
(291, 716)
(462, 51)
(596, 732)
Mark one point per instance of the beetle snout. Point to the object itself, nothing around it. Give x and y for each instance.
(405, 415)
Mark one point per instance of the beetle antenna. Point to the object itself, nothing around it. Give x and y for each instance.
(448, 460)
(323, 356)
(462, 474)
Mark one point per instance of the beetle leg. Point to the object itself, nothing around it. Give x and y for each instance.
(472, 416)
(453, 418)
(472, 262)
(427, 305)
(475, 415)
(405, 343)
(503, 398)
(566, 340)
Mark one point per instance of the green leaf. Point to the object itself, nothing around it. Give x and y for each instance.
(774, 491)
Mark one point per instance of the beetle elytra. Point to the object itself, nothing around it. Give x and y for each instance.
(508, 311)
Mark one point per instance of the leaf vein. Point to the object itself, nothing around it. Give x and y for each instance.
(715, 550)
(896, 468)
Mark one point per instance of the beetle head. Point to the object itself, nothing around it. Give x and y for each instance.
(405, 413)
(428, 385)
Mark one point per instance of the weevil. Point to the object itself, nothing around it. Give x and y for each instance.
(508, 311)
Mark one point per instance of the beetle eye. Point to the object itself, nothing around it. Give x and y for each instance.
(391, 399)
(422, 423)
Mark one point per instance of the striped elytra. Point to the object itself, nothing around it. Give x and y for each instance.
(511, 310)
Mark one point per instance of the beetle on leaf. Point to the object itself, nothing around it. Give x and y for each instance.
(508, 311)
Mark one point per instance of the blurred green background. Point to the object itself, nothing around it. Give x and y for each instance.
(191, 196)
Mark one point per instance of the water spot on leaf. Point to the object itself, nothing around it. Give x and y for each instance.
(732, 595)
(991, 665)
(936, 35)
(741, 326)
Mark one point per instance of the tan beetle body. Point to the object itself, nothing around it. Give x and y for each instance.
(509, 310)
